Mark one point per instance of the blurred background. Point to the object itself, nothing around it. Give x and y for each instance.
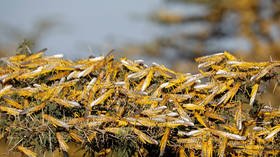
(170, 32)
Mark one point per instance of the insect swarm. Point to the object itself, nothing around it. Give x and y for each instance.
(122, 106)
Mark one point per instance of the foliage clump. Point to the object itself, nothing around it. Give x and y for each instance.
(128, 108)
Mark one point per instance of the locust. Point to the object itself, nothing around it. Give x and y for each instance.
(10, 111)
(55, 121)
(163, 141)
(62, 144)
(102, 102)
(26, 151)
(144, 137)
